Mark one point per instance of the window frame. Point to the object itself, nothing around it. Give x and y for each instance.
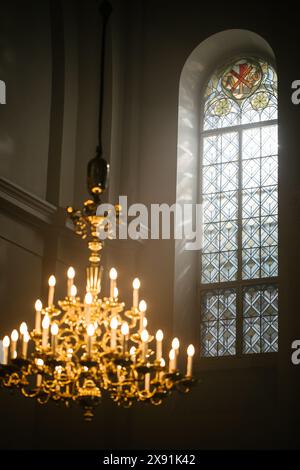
(239, 359)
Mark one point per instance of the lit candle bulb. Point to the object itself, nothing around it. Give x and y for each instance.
(6, 343)
(190, 354)
(23, 331)
(162, 372)
(159, 337)
(25, 342)
(142, 310)
(38, 308)
(175, 346)
(135, 299)
(171, 360)
(125, 332)
(147, 382)
(45, 326)
(88, 300)
(51, 284)
(39, 363)
(132, 353)
(23, 328)
(71, 275)
(73, 292)
(13, 347)
(90, 331)
(113, 334)
(116, 293)
(113, 281)
(54, 333)
(144, 338)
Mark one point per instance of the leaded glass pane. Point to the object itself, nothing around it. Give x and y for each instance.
(218, 329)
(269, 142)
(228, 266)
(269, 261)
(211, 208)
(251, 203)
(240, 213)
(228, 206)
(269, 201)
(260, 319)
(229, 176)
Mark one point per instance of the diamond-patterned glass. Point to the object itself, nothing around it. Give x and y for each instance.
(260, 319)
(218, 328)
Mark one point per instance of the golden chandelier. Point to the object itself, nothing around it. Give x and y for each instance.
(82, 349)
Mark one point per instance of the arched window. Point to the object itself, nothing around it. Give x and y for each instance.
(239, 260)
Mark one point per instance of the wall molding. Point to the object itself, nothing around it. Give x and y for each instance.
(20, 203)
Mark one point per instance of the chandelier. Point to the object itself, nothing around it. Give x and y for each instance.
(82, 349)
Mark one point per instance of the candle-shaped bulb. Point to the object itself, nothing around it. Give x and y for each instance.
(159, 335)
(14, 335)
(38, 305)
(113, 274)
(45, 326)
(26, 337)
(113, 283)
(114, 323)
(25, 342)
(39, 363)
(190, 353)
(23, 328)
(51, 281)
(88, 299)
(136, 283)
(46, 322)
(90, 330)
(6, 342)
(175, 344)
(172, 354)
(113, 338)
(38, 308)
(132, 351)
(116, 292)
(54, 329)
(162, 362)
(73, 291)
(125, 329)
(142, 306)
(145, 322)
(13, 349)
(71, 273)
(144, 336)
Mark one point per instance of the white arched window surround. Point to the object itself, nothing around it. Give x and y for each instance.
(198, 68)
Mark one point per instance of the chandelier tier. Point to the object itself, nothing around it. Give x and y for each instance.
(84, 348)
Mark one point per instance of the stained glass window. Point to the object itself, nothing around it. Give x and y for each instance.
(239, 260)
